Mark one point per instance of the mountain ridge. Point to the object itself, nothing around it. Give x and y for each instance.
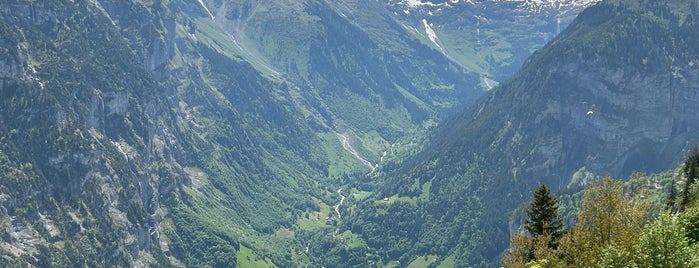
(593, 102)
(205, 133)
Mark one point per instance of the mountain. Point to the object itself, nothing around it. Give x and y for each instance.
(350, 60)
(129, 139)
(221, 133)
(491, 38)
(615, 92)
(611, 95)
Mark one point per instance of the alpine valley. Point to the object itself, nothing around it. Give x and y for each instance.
(323, 133)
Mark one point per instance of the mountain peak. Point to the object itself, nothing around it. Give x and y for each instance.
(523, 5)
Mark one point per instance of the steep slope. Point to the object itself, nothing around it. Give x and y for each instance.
(130, 138)
(353, 59)
(202, 133)
(614, 93)
(491, 38)
(77, 126)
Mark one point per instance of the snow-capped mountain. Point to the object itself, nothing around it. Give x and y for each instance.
(525, 5)
(491, 37)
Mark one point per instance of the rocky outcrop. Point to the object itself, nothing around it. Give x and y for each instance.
(74, 184)
(588, 102)
(632, 121)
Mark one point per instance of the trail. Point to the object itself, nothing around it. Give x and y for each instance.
(342, 200)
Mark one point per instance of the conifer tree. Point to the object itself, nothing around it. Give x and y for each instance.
(690, 172)
(543, 216)
(671, 203)
(543, 230)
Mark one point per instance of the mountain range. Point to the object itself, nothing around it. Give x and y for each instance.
(311, 132)
(614, 93)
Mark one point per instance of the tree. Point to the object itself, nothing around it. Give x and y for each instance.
(690, 172)
(543, 216)
(607, 217)
(689, 219)
(543, 230)
(526, 251)
(521, 251)
(671, 203)
(614, 257)
(663, 244)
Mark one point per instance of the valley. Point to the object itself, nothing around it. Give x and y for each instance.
(315, 133)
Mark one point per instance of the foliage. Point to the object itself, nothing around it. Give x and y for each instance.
(607, 217)
(664, 244)
(536, 125)
(544, 229)
(616, 227)
(689, 220)
(132, 132)
(691, 174)
(521, 250)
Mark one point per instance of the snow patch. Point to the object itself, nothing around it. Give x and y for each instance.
(419, 3)
(539, 5)
(489, 82)
(431, 34)
(211, 15)
(526, 5)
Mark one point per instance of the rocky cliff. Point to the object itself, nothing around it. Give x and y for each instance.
(77, 177)
(615, 92)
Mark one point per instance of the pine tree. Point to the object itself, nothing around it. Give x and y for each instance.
(543, 216)
(671, 203)
(690, 172)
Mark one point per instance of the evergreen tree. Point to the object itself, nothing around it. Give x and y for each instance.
(543, 216)
(690, 172)
(543, 230)
(671, 203)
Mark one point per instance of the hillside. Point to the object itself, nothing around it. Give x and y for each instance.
(127, 141)
(491, 38)
(201, 133)
(615, 92)
(351, 61)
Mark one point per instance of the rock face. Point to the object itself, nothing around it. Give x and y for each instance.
(76, 176)
(628, 120)
(606, 107)
(615, 92)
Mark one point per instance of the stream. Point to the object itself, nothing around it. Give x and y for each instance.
(342, 200)
(348, 147)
